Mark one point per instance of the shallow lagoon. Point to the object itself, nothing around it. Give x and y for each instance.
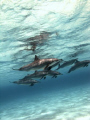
(49, 29)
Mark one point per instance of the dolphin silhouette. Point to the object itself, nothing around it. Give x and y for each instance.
(37, 74)
(67, 63)
(30, 82)
(41, 74)
(79, 64)
(54, 73)
(38, 64)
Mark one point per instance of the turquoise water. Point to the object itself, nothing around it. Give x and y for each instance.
(49, 29)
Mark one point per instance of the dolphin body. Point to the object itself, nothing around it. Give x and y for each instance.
(54, 73)
(26, 82)
(37, 74)
(41, 74)
(79, 64)
(67, 63)
(38, 64)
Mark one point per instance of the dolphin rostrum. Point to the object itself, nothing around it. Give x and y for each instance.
(30, 82)
(38, 64)
(79, 64)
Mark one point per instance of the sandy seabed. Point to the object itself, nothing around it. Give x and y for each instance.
(68, 104)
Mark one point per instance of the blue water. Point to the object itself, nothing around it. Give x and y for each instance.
(65, 25)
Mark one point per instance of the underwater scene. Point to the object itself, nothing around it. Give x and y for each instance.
(45, 60)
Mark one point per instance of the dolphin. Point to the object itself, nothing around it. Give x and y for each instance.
(37, 74)
(67, 63)
(79, 64)
(38, 64)
(41, 74)
(30, 82)
(54, 73)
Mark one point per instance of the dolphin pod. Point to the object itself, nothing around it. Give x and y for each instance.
(47, 65)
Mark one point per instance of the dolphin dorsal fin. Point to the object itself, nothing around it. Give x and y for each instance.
(77, 61)
(36, 58)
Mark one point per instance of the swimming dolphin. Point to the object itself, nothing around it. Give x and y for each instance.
(26, 82)
(38, 64)
(41, 74)
(54, 73)
(37, 74)
(79, 64)
(67, 63)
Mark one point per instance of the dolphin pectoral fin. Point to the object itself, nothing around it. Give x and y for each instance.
(46, 67)
(41, 78)
(86, 65)
(31, 84)
(53, 76)
(36, 58)
(44, 77)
